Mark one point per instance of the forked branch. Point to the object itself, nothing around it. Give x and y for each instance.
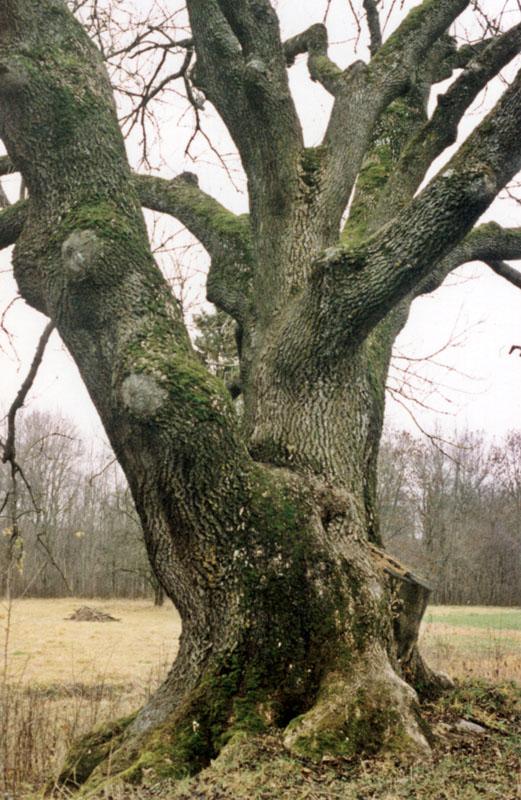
(366, 90)
(314, 42)
(365, 282)
(241, 68)
(441, 129)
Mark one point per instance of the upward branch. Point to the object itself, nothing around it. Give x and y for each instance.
(441, 129)
(366, 90)
(9, 446)
(373, 23)
(364, 282)
(241, 68)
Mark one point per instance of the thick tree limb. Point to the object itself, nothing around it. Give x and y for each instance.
(225, 236)
(241, 68)
(441, 130)
(467, 52)
(6, 166)
(211, 223)
(256, 26)
(365, 282)
(492, 242)
(419, 30)
(373, 23)
(219, 53)
(506, 271)
(12, 221)
(489, 243)
(367, 90)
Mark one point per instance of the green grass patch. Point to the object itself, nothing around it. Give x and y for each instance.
(498, 619)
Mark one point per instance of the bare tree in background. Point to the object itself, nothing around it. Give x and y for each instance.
(78, 532)
(453, 514)
(263, 532)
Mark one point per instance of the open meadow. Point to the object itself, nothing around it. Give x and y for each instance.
(60, 678)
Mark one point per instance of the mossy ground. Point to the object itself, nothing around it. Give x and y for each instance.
(463, 767)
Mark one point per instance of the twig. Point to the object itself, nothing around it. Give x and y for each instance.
(9, 454)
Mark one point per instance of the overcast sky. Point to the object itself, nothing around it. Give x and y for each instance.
(480, 386)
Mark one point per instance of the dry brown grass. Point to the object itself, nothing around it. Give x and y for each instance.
(61, 678)
(474, 642)
(46, 648)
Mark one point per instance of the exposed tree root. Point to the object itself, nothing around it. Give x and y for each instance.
(371, 710)
(367, 711)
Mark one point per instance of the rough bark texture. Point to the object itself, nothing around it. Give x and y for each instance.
(262, 530)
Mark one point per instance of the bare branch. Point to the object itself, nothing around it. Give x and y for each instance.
(441, 130)
(506, 271)
(44, 545)
(373, 23)
(314, 41)
(9, 448)
(489, 243)
(151, 89)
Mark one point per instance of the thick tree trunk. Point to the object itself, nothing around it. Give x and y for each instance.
(292, 620)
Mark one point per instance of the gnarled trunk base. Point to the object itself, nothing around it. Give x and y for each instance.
(338, 688)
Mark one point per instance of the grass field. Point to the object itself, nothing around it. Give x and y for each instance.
(470, 641)
(59, 678)
(46, 648)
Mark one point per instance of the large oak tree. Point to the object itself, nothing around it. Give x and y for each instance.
(261, 526)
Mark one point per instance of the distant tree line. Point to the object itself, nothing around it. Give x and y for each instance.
(78, 533)
(449, 510)
(452, 512)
